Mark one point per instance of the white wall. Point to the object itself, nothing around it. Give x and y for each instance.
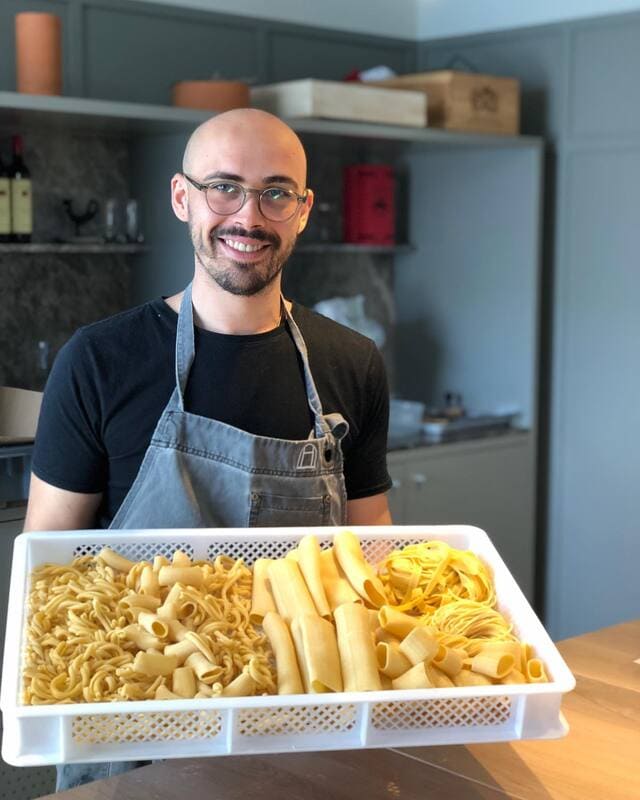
(413, 19)
(438, 19)
(395, 18)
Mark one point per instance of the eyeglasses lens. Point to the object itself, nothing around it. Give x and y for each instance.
(277, 205)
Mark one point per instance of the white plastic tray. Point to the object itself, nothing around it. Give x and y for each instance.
(151, 729)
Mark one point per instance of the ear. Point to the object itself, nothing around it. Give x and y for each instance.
(179, 197)
(304, 213)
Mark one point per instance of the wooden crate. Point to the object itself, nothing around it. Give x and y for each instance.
(346, 101)
(466, 101)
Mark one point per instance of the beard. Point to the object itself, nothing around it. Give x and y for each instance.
(239, 277)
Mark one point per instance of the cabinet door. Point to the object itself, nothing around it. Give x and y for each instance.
(11, 524)
(489, 487)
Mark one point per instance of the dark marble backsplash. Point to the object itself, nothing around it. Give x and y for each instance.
(46, 297)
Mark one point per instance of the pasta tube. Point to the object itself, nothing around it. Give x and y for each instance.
(384, 636)
(115, 560)
(438, 678)
(154, 664)
(420, 645)
(184, 682)
(355, 646)
(204, 669)
(160, 561)
(190, 576)
(261, 597)
(289, 589)
(493, 664)
(181, 650)
(152, 623)
(141, 601)
(289, 680)
(468, 678)
(337, 588)
(149, 581)
(391, 660)
(309, 563)
(162, 693)
(415, 678)
(359, 573)
(448, 660)
(242, 686)
(515, 676)
(181, 559)
(535, 672)
(141, 638)
(317, 651)
(397, 622)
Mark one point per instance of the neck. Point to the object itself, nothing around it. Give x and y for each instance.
(216, 310)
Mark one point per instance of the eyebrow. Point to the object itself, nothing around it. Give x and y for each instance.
(267, 180)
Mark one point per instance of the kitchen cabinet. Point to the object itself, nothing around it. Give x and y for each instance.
(489, 483)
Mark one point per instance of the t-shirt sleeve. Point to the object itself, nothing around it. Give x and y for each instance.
(67, 451)
(366, 471)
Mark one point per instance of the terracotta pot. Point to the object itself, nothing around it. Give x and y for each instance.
(211, 95)
(38, 53)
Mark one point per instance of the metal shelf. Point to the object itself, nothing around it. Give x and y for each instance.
(36, 248)
(108, 116)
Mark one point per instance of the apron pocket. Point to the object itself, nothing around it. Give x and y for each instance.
(276, 510)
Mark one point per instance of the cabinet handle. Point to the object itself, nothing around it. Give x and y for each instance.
(419, 479)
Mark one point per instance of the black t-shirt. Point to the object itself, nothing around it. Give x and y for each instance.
(112, 380)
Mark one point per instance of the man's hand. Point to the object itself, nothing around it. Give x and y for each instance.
(372, 510)
(53, 509)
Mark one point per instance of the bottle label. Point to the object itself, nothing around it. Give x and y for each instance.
(5, 206)
(21, 213)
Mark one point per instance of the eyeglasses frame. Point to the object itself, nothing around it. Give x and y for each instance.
(301, 198)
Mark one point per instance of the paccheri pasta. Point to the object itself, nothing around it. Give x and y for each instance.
(106, 628)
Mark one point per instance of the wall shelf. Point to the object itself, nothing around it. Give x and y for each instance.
(96, 248)
(107, 116)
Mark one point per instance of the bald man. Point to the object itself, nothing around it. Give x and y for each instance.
(225, 405)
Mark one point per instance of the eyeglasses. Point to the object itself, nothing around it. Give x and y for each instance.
(228, 197)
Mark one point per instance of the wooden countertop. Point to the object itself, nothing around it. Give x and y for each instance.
(597, 760)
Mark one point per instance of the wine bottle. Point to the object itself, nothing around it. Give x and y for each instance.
(5, 204)
(21, 204)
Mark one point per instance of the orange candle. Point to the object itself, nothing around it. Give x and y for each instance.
(38, 53)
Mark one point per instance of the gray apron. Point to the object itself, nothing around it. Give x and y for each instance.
(202, 473)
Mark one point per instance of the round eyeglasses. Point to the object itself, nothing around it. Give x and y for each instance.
(228, 197)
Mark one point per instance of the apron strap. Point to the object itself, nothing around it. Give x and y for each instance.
(185, 345)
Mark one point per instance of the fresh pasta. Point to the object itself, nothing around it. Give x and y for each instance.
(102, 629)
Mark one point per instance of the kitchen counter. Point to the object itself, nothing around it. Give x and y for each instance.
(597, 760)
(413, 441)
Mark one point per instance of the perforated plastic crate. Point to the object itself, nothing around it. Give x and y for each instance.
(151, 729)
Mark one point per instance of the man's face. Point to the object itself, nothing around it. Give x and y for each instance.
(244, 252)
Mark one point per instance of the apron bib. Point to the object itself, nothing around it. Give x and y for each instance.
(201, 473)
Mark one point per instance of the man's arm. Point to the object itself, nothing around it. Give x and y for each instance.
(53, 509)
(372, 510)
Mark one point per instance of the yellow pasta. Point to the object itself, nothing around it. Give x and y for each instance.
(289, 589)
(337, 588)
(310, 566)
(184, 682)
(261, 598)
(449, 660)
(180, 559)
(493, 664)
(115, 560)
(190, 576)
(391, 660)
(415, 678)
(359, 573)
(535, 672)
(152, 623)
(154, 663)
(397, 622)
(420, 645)
(356, 649)
(289, 680)
(317, 651)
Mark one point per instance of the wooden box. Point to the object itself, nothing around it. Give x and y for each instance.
(466, 101)
(345, 101)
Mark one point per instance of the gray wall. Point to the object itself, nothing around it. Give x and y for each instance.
(580, 89)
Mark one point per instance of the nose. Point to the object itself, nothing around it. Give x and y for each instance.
(250, 215)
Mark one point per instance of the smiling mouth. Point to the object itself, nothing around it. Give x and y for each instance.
(243, 247)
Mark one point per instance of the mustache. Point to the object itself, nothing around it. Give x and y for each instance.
(258, 234)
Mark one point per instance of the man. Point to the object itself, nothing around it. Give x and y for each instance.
(150, 421)
(224, 405)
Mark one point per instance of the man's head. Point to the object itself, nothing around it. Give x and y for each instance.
(242, 251)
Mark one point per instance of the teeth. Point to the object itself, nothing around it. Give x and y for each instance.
(242, 247)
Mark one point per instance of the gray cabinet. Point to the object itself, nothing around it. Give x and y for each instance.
(488, 483)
